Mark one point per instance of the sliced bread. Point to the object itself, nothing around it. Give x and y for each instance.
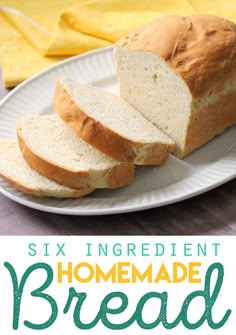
(110, 124)
(51, 148)
(15, 171)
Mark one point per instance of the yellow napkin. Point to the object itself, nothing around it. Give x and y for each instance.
(36, 34)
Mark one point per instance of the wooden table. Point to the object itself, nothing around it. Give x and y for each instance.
(212, 213)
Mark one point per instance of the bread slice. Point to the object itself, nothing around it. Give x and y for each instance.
(180, 73)
(15, 171)
(110, 124)
(51, 148)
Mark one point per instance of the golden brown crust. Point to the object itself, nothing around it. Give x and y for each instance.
(116, 176)
(40, 193)
(156, 153)
(120, 175)
(208, 122)
(200, 48)
(101, 137)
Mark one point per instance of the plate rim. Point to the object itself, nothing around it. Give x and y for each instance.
(117, 210)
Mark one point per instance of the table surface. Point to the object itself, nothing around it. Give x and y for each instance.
(212, 213)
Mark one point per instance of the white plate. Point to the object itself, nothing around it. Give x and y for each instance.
(206, 168)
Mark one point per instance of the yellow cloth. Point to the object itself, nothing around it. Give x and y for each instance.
(37, 34)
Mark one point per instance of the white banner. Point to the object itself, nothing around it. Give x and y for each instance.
(118, 285)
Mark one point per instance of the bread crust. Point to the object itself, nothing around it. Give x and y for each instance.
(156, 153)
(200, 48)
(206, 123)
(103, 138)
(117, 176)
(73, 193)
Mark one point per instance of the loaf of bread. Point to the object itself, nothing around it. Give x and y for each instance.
(15, 171)
(110, 124)
(180, 73)
(51, 148)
